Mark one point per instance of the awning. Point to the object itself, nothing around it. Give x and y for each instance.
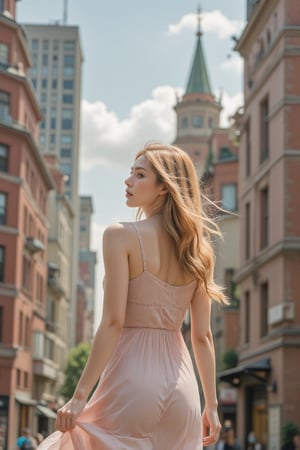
(25, 399)
(257, 369)
(45, 411)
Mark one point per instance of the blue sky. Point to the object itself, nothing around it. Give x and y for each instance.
(137, 55)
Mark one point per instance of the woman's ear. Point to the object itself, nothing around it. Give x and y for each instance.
(163, 189)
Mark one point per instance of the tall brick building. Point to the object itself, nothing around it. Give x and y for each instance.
(267, 376)
(24, 186)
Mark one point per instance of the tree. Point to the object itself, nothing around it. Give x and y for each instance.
(288, 431)
(76, 361)
(230, 358)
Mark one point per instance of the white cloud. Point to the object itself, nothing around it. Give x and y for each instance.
(108, 140)
(233, 64)
(211, 22)
(230, 105)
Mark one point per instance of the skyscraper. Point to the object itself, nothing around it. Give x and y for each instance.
(56, 77)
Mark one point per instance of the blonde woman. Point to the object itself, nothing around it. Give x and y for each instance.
(155, 269)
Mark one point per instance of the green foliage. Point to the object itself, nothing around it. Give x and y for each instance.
(288, 431)
(76, 362)
(230, 359)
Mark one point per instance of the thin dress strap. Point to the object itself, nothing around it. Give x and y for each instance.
(141, 245)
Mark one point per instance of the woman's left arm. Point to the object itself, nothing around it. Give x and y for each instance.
(115, 255)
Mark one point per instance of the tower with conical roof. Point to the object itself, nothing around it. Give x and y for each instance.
(198, 111)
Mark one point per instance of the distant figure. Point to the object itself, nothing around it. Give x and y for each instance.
(251, 441)
(294, 443)
(26, 441)
(230, 441)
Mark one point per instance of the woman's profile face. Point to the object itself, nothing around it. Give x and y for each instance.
(143, 190)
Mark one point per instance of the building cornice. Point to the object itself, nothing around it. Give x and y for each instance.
(11, 23)
(20, 77)
(265, 168)
(24, 133)
(254, 22)
(286, 245)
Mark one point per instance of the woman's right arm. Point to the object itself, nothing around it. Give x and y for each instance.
(204, 352)
(115, 255)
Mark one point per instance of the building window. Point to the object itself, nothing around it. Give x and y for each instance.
(264, 130)
(45, 60)
(197, 121)
(44, 97)
(65, 153)
(264, 214)
(225, 153)
(54, 84)
(26, 274)
(68, 84)
(1, 323)
(18, 378)
(229, 200)
(56, 45)
(53, 118)
(184, 122)
(33, 82)
(44, 83)
(69, 46)
(34, 44)
(45, 44)
(247, 231)
(55, 70)
(3, 54)
(3, 206)
(67, 98)
(4, 105)
(52, 138)
(247, 317)
(69, 64)
(264, 306)
(66, 139)
(231, 289)
(42, 139)
(248, 148)
(2, 263)
(3, 158)
(67, 122)
(53, 97)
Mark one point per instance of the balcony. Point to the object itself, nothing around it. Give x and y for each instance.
(34, 245)
(43, 367)
(53, 279)
(7, 351)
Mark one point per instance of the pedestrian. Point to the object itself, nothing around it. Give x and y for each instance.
(155, 269)
(26, 441)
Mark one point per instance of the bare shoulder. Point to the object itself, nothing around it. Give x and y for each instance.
(117, 233)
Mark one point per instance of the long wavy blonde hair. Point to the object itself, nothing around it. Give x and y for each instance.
(183, 214)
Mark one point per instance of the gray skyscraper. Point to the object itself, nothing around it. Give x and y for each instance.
(56, 77)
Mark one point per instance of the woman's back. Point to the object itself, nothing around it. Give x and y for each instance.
(156, 298)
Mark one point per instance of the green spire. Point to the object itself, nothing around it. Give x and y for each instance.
(198, 80)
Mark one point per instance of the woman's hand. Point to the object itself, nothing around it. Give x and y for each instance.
(210, 425)
(67, 414)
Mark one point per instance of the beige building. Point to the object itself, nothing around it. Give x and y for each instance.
(267, 376)
(56, 77)
(86, 287)
(51, 347)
